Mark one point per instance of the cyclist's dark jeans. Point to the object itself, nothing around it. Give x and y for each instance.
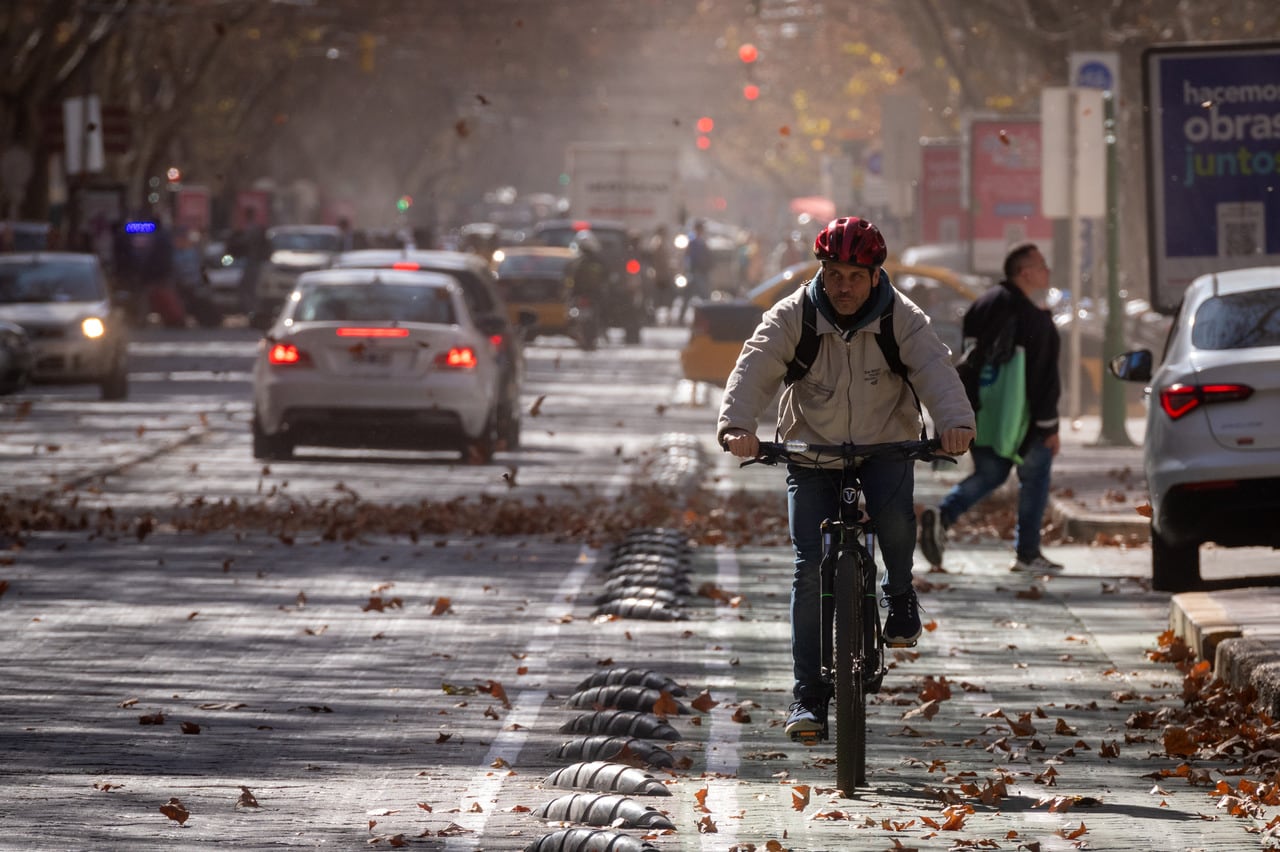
(812, 495)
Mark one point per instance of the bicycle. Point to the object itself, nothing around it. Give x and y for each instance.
(853, 659)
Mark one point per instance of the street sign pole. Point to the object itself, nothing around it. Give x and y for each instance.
(1073, 253)
(1113, 432)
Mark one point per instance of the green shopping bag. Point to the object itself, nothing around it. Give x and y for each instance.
(1004, 416)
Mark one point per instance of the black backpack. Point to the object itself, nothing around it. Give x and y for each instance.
(807, 349)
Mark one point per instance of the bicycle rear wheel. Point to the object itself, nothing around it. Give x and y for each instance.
(851, 696)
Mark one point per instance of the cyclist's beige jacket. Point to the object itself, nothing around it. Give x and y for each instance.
(850, 394)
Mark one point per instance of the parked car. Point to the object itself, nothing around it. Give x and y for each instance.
(537, 284)
(293, 250)
(379, 358)
(624, 307)
(15, 357)
(62, 301)
(1212, 448)
(485, 305)
(719, 329)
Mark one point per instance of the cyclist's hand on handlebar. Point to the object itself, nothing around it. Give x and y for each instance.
(955, 442)
(742, 444)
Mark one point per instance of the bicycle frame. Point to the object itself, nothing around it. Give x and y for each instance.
(848, 544)
(852, 663)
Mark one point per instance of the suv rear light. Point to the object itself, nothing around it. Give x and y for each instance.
(457, 358)
(406, 264)
(1179, 400)
(633, 267)
(287, 355)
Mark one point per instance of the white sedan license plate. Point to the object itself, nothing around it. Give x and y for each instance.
(371, 358)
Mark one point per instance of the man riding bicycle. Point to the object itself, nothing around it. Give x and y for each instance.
(849, 394)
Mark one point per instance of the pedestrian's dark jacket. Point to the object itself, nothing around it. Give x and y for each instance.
(1038, 337)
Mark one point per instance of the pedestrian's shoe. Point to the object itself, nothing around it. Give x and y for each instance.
(807, 716)
(902, 626)
(1039, 565)
(933, 536)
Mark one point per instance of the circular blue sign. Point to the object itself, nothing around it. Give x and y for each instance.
(1094, 75)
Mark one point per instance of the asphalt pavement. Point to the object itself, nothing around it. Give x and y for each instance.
(1097, 493)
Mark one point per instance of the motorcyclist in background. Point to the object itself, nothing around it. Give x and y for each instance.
(590, 288)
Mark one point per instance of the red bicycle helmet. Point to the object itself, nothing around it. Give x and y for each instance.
(851, 240)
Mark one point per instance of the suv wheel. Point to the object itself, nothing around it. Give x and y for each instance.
(270, 447)
(1174, 567)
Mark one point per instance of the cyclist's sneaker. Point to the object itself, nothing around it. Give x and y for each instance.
(807, 715)
(933, 536)
(1039, 565)
(902, 626)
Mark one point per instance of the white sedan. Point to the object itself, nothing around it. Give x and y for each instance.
(375, 358)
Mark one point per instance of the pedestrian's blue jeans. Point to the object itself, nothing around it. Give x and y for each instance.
(813, 495)
(989, 473)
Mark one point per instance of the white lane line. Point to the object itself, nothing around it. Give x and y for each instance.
(724, 738)
(486, 784)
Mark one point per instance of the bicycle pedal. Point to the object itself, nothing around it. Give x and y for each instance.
(807, 738)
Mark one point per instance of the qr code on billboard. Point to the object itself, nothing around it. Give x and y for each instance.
(1241, 229)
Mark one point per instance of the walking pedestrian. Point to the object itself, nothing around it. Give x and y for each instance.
(1024, 420)
(697, 263)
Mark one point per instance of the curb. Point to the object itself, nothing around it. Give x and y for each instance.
(1202, 623)
(1086, 527)
(1241, 661)
(1245, 662)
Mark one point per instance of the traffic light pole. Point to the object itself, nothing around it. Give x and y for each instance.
(1113, 431)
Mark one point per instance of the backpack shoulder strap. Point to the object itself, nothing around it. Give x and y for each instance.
(889, 348)
(807, 348)
(889, 343)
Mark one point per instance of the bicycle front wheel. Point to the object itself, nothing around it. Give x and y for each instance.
(851, 696)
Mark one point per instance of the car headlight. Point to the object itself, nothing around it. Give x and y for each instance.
(93, 327)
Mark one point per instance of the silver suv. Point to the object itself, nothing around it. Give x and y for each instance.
(1212, 447)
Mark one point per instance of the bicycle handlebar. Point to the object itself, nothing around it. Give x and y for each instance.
(772, 452)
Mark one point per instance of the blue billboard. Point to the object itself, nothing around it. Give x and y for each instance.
(1213, 161)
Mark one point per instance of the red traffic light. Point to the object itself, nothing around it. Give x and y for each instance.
(705, 125)
(748, 53)
(751, 91)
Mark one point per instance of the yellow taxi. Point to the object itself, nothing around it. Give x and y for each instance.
(536, 282)
(720, 328)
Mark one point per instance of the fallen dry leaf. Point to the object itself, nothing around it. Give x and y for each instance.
(175, 811)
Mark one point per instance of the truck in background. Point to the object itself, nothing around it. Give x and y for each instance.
(623, 192)
(634, 184)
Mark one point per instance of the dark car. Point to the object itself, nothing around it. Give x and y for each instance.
(62, 301)
(625, 305)
(480, 289)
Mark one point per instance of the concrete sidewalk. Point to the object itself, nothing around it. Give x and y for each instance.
(1097, 491)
